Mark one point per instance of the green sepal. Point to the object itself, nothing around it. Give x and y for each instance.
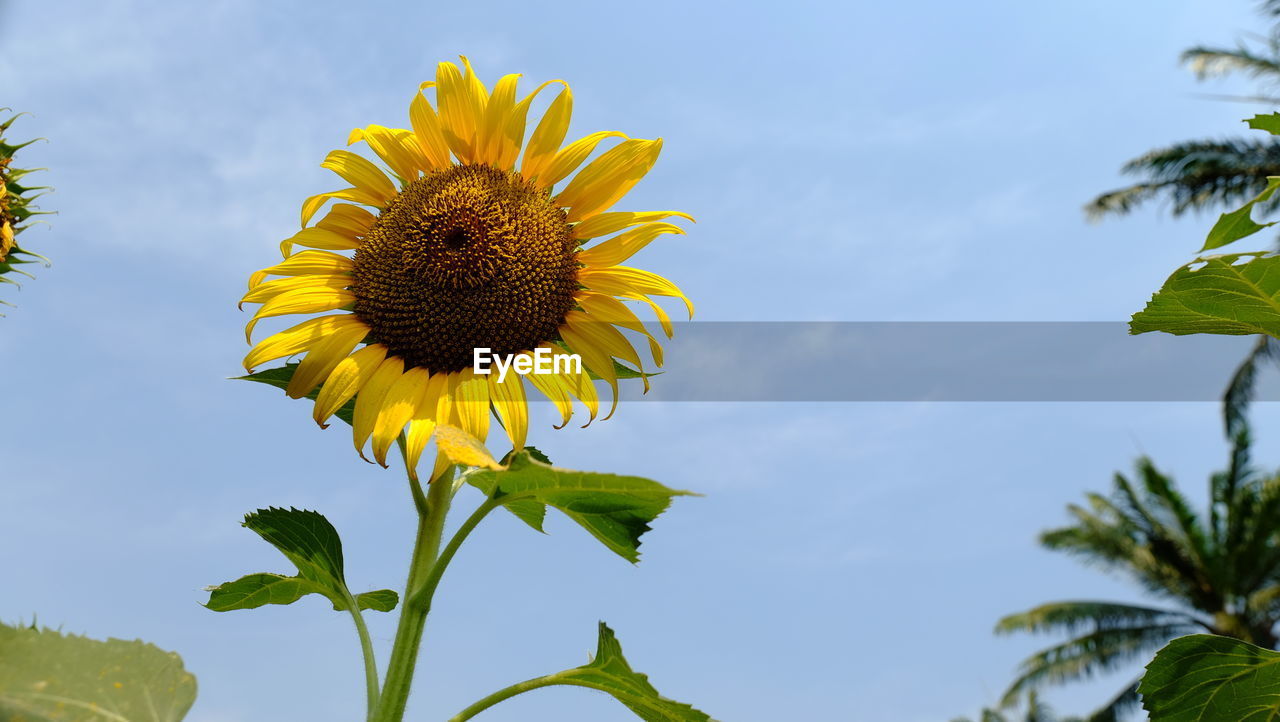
(1237, 224)
(614, 509)
(1236, 294)
(1205, 678)
(46, 676)
(279, 377)
(311, 543)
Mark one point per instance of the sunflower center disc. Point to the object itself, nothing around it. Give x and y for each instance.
(464, 258)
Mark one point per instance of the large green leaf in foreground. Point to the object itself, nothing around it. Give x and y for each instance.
(1235, 293)
(615, 509)
(50, 677)
(308, 540)
(1204, 678)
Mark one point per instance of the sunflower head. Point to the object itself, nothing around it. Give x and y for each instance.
(469, 236)
(16, 209)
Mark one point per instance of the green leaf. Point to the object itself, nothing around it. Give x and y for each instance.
(279, 377)
(1239, 223)
(382, 600)
(614, 509)
(610, 672)
(1205, 678)
(1269, 122)
(50, 677)
(1236, 293)
(308, 540)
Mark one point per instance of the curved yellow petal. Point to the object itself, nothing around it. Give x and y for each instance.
(584, 389)
(256, 278)
(607, 309)
(266, 291)
(345, 380)
(347, 220)
(552, 386)
(571, 156)
(299, 338)
(548, 135)
(427, 132)
(312, 299)
(318, 237)
(461, 99)
(317, 201)
(322, 359)
(424, 421)
(608, 178)
(369, 400)
(513, 131)
(603, 224)
(602, 335)
(306, 262)
(405, 160)
(593, 358)
(361, 174)
(630, 282)
(397, 409)
(624, 245)
(512, 407)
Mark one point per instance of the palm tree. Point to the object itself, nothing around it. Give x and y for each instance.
(1217, 573)
(1037, 711)
(1217, 173)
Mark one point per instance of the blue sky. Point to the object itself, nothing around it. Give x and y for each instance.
(846, 161)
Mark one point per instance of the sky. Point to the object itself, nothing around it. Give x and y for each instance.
(845, 161)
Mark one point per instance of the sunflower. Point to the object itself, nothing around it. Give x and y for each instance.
(15, 207)
(453, 248)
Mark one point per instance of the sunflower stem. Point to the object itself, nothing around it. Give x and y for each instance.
(507, 693)
(370, 661)
(413, 617)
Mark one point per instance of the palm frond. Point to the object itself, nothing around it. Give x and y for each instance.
(1240, 391)
(1194, 175)
(1127, 701)
(1072, 616)
(1208, 62)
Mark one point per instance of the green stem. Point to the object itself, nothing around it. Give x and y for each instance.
(413, 617)
(428, 589)
(507, 693)
(370, 661)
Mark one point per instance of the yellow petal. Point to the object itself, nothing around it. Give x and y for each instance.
(266, 291)
(630, 282)
(315, 202)
(398, 407)
(347, 220)
(403, 160)
(584, 389)
(427, 132)
(322, 359)
(6, 239)
(509, 401)
(623, 246)
(346, 379)
(608, 309)
(256, 278)
(462, 101)
(513, 131)
(548, 136)
(499, 107)
(594, 359)
(312, 299)
(605, 223)
(318, 238)
(552, 386)
(299, 338)
(369, 400)
(602, 335)
(608, 178)
(306, 262)
(471, 404)
(424, 421)
(571, 156)
(360, 173)
(463, 448)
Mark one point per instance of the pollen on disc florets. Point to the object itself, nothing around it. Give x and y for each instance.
(464, 258)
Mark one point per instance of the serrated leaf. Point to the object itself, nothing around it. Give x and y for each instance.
(50, 677)
(308, 540)
(1269, 122)
(1237, 224)
(1236, 294)
(1206, 678)
(610, 672)
(381, 600)
(280, 376)
(615, 509)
